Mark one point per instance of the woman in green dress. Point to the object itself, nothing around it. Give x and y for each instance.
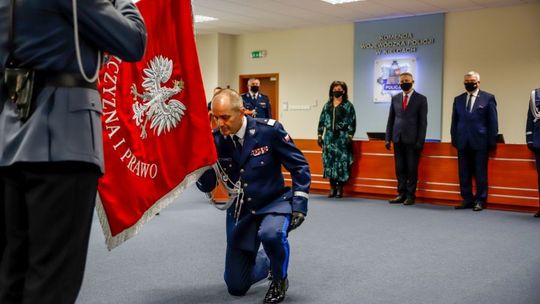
(337, 125)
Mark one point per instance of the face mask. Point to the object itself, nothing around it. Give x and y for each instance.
(337, 94)
(406, 86)
(470, 86)
(254, 89)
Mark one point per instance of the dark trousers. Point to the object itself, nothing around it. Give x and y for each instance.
(473, 163)
(537, 156)
(244, 268)
(406, 158)
(48, 212)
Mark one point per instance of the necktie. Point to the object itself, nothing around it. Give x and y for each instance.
(237, 144)
(469, 103)
(405, 102)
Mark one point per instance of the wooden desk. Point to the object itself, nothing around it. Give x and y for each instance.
(512, 176)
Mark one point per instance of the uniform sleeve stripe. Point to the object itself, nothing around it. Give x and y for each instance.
(301, 194)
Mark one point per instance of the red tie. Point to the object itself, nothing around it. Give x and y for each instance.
(405, 102)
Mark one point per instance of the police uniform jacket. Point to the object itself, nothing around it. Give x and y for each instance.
(66, 124)
(261, 105)
(479, 127)
(532, 132)
(266, 147)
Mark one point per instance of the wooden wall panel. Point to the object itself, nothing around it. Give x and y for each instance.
(511, 174)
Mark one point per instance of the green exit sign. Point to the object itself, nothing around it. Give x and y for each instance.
(258, 54)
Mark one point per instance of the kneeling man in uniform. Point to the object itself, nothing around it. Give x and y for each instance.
(250, 155)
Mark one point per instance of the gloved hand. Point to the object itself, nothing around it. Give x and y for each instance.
(387, 145)
(320, 141)
(296, 220)
(530, 147)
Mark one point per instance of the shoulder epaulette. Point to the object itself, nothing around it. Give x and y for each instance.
(271, 122)
(266, 121)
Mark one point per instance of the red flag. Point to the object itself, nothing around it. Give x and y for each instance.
(156, 135)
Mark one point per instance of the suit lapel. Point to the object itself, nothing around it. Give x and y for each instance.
(464, 103)
(477, 101)
(409, 102)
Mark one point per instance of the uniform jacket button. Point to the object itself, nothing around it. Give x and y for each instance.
(249, 199)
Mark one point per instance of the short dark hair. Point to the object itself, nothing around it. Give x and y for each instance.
(406, 74)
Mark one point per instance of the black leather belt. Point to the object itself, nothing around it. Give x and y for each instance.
(67, 80)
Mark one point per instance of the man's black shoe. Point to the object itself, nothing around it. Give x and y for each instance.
(409, 201)
(477, 207)
(464, 205)
(398, 200)
(276, 292)
(537, 214)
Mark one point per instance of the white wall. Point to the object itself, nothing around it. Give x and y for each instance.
(502, 44)
(207, 51)
(307, 61)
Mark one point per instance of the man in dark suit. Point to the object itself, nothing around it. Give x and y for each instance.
(406, 128)
(256, 104)
(251, 153)
(532, 133)
(474, 133)
(51, 159)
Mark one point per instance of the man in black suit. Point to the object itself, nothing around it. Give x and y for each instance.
(406, 128)
(474, 132)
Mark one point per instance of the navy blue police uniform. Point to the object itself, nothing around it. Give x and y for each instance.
(50, 163)
(260, 103)
(532, 133)
(264, 214)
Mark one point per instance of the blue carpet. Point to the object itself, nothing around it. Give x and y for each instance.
(347, 251)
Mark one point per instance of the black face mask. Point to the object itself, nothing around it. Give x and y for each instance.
(254, 89)
(470, 86)
(338, 94)
(406, 86)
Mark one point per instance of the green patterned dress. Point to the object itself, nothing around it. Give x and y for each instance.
(337, 125)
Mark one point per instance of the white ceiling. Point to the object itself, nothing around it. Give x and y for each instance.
(250, 16)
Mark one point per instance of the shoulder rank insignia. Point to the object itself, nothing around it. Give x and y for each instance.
(271, 122)
(287, 138)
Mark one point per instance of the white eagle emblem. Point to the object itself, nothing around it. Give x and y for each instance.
(157, 105)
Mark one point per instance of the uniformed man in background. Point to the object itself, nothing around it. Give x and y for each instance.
(256, 104)
(250, 155)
